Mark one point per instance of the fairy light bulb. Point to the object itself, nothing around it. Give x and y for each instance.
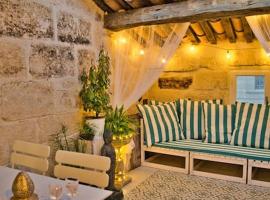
(163, 60)
(122, 40)
(192, 48)
(141, 52)
(228, 55)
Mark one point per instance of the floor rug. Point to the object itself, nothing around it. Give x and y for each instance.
(166, 185)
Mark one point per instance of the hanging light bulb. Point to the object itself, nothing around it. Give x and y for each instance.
(192, 48)
(228, 55)
(141, 52)
(122, 40)
(163, 60)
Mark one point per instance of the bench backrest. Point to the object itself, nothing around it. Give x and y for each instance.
(31, 155)
(89, 169)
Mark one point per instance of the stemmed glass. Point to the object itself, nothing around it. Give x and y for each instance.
(55, 191)
(72, 186)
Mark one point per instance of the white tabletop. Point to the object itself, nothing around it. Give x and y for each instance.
(7, 175)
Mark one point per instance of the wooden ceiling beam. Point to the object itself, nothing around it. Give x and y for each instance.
(124, 4)
(185, 11)
(103, 6)
(227, 25)
(193, 36)
(208, 32)
(248, 33)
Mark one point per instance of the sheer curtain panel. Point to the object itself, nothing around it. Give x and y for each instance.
(139, 56)
(260, 25)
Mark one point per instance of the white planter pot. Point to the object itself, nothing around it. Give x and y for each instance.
(98, 126)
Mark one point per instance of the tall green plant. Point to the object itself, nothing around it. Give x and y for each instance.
(95, 86)
(118, 122)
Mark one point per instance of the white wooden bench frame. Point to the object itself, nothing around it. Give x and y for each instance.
(257, 164)
(218, 158)
(147, 162)
(189, 163)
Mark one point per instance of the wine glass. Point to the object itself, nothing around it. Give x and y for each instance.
(72, 186)
(55, 191)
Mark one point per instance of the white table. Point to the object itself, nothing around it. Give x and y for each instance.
(7, 175)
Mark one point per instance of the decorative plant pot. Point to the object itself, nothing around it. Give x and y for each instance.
(98, 127)
(86, 146)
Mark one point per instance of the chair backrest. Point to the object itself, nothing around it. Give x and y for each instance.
(34, 156)
(89, 169)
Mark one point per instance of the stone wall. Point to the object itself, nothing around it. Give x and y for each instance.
(211, 70)
(44, 45)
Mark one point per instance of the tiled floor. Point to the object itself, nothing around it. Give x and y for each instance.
(138, 175)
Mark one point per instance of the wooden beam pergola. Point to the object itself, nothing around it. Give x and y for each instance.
(226, 22)
(208, 32)
(185, 11)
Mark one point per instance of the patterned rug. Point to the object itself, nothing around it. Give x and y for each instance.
(166, 185)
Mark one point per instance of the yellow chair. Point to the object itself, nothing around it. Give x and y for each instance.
(89, 169)
(31, 155)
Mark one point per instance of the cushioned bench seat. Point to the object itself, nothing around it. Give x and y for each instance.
(219, 149)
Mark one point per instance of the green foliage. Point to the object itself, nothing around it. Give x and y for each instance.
(94, 93)
(118, 121)
(86, 132)
(60, 141)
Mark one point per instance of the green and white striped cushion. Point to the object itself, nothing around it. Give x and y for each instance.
(252, 126)
(214, 101)
(191, 119)
(161, 123)
(219, 122)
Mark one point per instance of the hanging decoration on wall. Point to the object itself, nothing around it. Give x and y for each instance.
(174, 83)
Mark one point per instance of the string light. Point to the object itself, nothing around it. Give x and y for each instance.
(122, 40)
(228, 55)
(192, 48)
(141, 52)
(163, 60)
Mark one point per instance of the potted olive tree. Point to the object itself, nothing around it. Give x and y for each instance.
(95, 97)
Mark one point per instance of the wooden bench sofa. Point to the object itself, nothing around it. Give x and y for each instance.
(192, 154)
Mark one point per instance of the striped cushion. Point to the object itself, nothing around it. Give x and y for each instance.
(191, 118)
(218, 149)
(161, 123)
(214, 101)
(155, 102)
(219, 122)
(252, 126)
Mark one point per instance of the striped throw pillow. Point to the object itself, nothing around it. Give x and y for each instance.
(191, 118)
(219, 122)
(161, 123)
(252, 126)
(214, 101)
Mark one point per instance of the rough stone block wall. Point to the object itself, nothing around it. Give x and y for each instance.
(44, 44)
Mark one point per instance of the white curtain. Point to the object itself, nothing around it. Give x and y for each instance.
(260, 25)
(139, 56)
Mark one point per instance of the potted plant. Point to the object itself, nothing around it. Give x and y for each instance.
(86, 137)
(120, 124)
(95, 96)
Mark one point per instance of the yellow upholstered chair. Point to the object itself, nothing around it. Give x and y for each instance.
(31, 155)
(89, 169)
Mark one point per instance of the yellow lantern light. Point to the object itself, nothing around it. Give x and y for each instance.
(141, 52)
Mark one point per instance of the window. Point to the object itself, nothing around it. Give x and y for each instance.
(250, 89)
